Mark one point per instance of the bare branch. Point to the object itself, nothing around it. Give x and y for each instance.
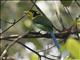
(77, 3)
(13, 24)
(33, 50)
(11, 44)
(15, 21)
(38, 35)
(60, 20)
(43, 14)
(67, 11)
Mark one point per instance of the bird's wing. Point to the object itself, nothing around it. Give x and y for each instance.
(43, 21)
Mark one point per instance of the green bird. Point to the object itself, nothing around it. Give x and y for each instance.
(42, 23)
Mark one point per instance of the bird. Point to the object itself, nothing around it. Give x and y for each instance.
(43, 23)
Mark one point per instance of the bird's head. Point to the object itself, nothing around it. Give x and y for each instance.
(29, 14)
(35, 13)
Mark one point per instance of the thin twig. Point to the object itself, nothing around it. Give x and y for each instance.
(48, 57)
(77, 3)
(50, 48)
(11, 44)
(32, 50)
(43, 14)
(60, 20)
(32, 6)
(38, 35)
(14, 23)
(67, 11)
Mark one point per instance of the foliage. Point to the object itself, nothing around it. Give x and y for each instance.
(73, 46)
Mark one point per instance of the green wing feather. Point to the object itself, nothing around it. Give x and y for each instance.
(43, 21)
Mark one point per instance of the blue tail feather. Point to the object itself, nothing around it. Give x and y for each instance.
(54, 39)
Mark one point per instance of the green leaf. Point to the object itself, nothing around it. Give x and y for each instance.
(63, 47)
(34, 57)
(73, 46)
(69, 58)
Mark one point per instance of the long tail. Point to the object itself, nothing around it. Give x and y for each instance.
(54, 39)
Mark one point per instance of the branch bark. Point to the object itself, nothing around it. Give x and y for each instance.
(11, 44)
(39, 35)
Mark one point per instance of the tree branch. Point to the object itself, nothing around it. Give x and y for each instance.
(43, 14)
(39, 35)
(33, 50)
(60, 20)
(13, 24)
(11, 44)
(77, 3)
